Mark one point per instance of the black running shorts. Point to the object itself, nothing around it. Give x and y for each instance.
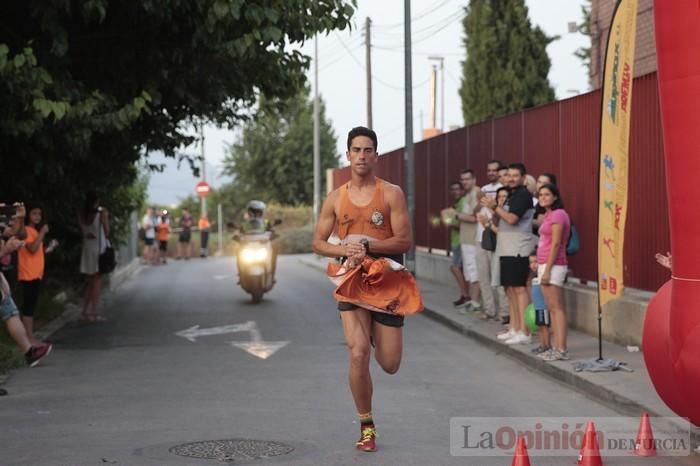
(381, 317)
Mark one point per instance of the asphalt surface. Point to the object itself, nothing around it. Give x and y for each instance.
(129, 390)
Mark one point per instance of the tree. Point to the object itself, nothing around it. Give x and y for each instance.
(507, 63)
(273, 158)
(87, 88)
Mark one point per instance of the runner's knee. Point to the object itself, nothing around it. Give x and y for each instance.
(391, 366)
(359, 354)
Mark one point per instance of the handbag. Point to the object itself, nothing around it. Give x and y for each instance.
(488, 240)
(107, 261)
(574, 243)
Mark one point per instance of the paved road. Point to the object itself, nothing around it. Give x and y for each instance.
(125, 392)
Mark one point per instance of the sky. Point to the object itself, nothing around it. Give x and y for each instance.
(437, 31)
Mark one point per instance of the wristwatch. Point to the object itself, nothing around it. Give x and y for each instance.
(365, 243)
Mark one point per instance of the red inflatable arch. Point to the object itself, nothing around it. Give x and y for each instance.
(671, 337)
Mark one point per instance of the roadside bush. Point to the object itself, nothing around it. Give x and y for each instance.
(295, 240)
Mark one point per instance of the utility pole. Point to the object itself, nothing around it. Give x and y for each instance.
(442, 90)
(368, 55)
(317, 138)
(433, 97)
(409, 166)
(204, 170)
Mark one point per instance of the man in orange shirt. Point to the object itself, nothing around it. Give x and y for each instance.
(204, 235)
(163, 233)
(370, 216)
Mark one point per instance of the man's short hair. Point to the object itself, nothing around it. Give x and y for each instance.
(518, 166)
(456, 183)
(468, 170)
(362, 131)
(497, 162)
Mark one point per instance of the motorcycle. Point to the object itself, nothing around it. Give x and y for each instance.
(256, 261)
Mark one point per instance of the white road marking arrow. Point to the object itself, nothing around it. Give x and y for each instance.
(256, 346)
(221, 277)
(193, 332)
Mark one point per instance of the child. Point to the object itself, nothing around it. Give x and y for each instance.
(541, 314)
(31, 266)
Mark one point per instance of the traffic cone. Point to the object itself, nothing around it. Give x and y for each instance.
(644, 445)
(520, 458)
(590, 454)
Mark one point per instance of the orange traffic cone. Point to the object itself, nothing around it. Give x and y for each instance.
(644, 445)
(590, 454)
(520, 458)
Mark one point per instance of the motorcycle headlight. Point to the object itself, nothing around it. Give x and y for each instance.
(261, 254)
(249, 255)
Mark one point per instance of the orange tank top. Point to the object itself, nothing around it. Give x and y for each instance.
(371, 221)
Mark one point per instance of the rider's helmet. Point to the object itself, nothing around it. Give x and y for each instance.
(256, 209)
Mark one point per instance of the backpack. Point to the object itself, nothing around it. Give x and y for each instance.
(574, 243)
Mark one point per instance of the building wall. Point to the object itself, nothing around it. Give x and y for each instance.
(645, 51)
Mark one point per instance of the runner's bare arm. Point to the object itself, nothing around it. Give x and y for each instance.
(324, 228)
(400, 225)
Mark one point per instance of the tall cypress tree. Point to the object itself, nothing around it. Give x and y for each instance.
(507, 63)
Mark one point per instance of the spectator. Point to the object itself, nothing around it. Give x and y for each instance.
(543, 179)
(31, 266)
(8, 310)
(94, 224)
(515, 242)
(501, 198)
(184, 241)
(541, 312)
(204, 227)
(552, 267)
(149, 245)
(451, 220)
(484, 258)
(503, 175)
(163, 234)
(467, 235)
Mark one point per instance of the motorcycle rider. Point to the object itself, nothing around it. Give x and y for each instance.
(256, 223)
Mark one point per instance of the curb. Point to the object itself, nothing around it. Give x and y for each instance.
(600, 394)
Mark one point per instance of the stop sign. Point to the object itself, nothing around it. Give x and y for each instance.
(203, 189)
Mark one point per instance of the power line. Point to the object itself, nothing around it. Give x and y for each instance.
(380, 81)
(333, 54)
(400, 49)
(418, 17)
(437, 27)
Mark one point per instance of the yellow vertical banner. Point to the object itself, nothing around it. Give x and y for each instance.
(614, 149)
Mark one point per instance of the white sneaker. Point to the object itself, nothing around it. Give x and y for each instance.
(519, 339)
(507, 335)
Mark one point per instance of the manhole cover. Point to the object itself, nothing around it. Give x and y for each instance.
(233, 450)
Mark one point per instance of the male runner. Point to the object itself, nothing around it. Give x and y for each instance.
(370, 217)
